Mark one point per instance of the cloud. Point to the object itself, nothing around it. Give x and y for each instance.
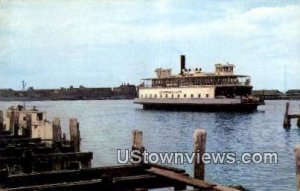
(113, 23)
(76, 33)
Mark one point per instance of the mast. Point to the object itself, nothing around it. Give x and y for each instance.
(284, 79)
(24, 89)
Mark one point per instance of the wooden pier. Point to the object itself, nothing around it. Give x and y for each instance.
(123, 177)
(288, 117)
(28, 164)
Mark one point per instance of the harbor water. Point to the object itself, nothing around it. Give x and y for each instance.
(106, 126)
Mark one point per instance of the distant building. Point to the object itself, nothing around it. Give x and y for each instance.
(268, 94)
(293, 94)
(125, 91)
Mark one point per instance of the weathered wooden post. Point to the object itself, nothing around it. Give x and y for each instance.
(28, 130)
(11, 121)
(199, 150)
(137, 145)
(1, 121)
(56, 130)
(27, 161)
(297, 157)
(298, 121)
(74, 134)
(64, 138)
(287, 119)
(86, 163)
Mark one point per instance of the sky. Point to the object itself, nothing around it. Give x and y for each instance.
(102, 43)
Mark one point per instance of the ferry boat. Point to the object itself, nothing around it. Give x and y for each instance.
(195, 90)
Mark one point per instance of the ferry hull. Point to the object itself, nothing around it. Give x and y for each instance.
(212, 105)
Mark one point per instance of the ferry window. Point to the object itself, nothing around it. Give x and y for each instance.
(192, 95)
(199, 95)
(160, 95)
(172, 96)
(166, 95)
(184, 95)
(178, 95)
(155, 96)
(207, 95)
(150, 95)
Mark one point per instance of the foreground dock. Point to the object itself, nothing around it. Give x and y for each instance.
(31, 161)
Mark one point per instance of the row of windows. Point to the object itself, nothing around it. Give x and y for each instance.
(171, 96)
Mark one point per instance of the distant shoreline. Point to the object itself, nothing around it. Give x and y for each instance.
(19, 99)
(277, 95)
(124, 91)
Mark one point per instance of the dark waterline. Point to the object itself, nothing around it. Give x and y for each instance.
(106, 126)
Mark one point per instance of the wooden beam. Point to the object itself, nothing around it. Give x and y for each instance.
(177, 170)
(224, 188)
(16, 140)
(196, 183)
(294, 116)
(51, 161)
(116, 184)
(181, 178)
(52, 177)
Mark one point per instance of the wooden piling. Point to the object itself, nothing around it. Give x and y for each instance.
(199, 150)
(11, 121)
(74, 134)
(64, 138)
(137, 144)
(1, 121)
(297, 157)
(27, 161)
(56, 130)
(86, 163)
(28, 130)
(287, 119)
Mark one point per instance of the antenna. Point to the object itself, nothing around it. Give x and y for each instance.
(24, 89)
(23, 85)
(284, 79)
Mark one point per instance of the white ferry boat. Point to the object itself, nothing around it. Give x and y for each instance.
(194, 90)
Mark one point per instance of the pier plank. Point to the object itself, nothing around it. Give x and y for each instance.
(52, 177)
(181, 178)
(294, 116)
(117, 184)
(203, 185)
(177, 170)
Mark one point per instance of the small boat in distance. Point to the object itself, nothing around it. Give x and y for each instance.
(194, 90)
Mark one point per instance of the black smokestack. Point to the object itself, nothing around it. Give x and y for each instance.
(182, 64)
